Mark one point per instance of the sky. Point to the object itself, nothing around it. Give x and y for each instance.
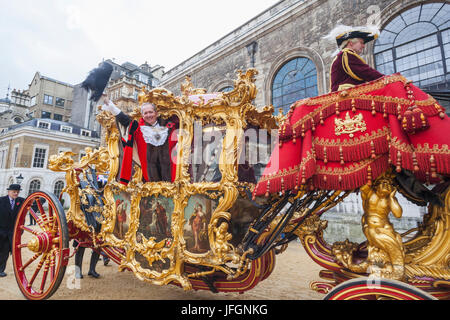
(65, 39)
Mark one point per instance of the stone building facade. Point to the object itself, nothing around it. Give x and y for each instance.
(25, 150)
(14, 110)
(293, 30)
(50, 98)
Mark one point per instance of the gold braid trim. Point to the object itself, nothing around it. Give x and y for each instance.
(350, 169)
(355, 93)
(362, 89)
(325, 142)
(426, 149)
(346, 66)
(290, 171)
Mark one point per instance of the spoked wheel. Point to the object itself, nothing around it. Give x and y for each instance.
(376, 289)
(40, 253)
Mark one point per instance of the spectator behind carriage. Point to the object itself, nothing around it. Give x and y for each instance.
(349, 68)
(9, 208)
(152, 140)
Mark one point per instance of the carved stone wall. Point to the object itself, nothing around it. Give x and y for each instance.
(289, 29)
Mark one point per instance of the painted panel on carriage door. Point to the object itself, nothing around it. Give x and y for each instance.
(155, 218)
(123, 209)
(197, 215)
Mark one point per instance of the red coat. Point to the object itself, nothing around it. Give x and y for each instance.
(135, 135)
(349, 68)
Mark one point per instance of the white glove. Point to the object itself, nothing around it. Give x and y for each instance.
(111, 107)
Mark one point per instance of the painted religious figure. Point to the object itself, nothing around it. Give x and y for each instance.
(198, 214)
(198, 226)
(122, 215)
(155, 217)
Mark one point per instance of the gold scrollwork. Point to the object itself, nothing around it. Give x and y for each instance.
(232, 110)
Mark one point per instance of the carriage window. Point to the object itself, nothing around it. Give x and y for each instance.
(417, 44)
(297, 79)
(226, 89)
(206, 152)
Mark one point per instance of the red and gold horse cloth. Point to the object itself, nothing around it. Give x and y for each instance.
(343, 140)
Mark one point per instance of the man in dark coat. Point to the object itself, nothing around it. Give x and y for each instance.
(9, 207)
(349, 68)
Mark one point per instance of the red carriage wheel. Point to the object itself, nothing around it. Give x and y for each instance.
(40, 253)
(376, 288)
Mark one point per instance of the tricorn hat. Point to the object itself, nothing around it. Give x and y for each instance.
(342, 33)
(97, 80)
(14, 186)
(366, 36)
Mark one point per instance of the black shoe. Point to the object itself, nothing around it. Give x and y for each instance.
(105, 261)
(93, 274)
(2, 274)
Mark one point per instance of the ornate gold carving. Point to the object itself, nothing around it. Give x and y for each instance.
(427, 254)
(164, 259)
(386, 253)
(187, 88)
(349, 125)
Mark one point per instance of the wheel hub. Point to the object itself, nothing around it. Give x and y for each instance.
(40, 242)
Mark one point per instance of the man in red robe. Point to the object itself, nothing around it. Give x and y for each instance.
(349, 68)
(152, 141)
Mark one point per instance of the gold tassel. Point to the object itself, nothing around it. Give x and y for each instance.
(374, 112)
(433, 167)
(388, 138)
(369, 175)
(372, 150)
(337, 109)
(325, 156)
(399, 112)
(303, 175)
(415, 163)
(399, 162)
(267, 189)
(424, 121)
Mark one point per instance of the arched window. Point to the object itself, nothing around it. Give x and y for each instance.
(226, 89)
(296, 79)
(57, 189)
(416, 43)
(35, 185)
